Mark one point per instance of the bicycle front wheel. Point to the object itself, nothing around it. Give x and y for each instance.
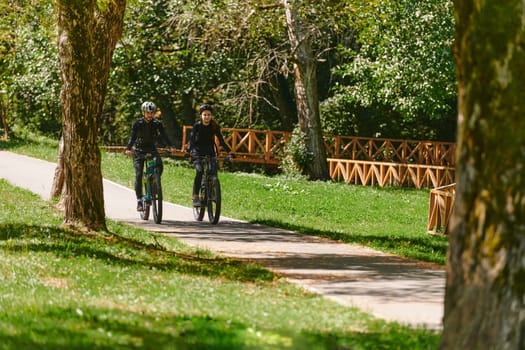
(214, 200)
(156, 198)
(198, 212)
(144, 214)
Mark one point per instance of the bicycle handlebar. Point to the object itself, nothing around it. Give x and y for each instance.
(147, 156)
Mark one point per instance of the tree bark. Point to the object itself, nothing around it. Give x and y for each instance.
(484, 302)
(284, 101)
(188, 109)
(58, 179)
(3, 115)
(305, 87)
(87, 37)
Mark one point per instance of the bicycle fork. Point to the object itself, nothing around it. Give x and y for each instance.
(148, 178)
(210, 188)
(147, 196)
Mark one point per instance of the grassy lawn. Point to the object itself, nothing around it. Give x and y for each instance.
(131, 289)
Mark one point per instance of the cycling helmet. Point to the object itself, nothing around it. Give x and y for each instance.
(148, 107)
(205, 107)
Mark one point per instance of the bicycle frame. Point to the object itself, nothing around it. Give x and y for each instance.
(147, 176)
(210, 192)
(152, 190)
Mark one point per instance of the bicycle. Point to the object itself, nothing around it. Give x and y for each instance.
(210, 192)
(152, 191)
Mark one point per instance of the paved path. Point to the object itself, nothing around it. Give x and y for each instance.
(387, 286)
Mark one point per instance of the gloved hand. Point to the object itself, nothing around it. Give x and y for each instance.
(187, 156)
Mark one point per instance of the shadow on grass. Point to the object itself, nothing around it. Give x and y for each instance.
(429, 248)
(12, 142)
(119, 250)
(104, 328)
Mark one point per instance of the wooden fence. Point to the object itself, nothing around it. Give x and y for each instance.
(390, 174)
(249, 145)
(391, 150)
(440, 208)
(268, 147)
(357, 160)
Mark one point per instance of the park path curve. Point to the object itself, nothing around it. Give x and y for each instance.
(385, 285)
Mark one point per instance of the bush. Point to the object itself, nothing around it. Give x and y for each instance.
(296, 154)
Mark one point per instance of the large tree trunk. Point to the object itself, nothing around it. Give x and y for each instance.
(306, 94)
(87, 38)
(484, 303)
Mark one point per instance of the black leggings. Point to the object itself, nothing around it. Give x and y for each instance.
(199, 172)
(138, 164)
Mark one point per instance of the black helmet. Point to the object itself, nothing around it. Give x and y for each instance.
(148, 107)
(205, 107)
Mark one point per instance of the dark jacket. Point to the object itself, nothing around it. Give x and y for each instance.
(145, 136)
(202, 139)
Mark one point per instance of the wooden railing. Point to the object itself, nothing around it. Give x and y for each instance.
(381, 174)
(249, 145)
(268, 147)
(357, 160)
(391, 150)
(440, 208)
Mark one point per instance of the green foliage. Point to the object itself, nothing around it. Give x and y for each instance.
(404, 64)
(297, 155)
(385, 68)
(7, 44)
(34, 85)
(174, 53)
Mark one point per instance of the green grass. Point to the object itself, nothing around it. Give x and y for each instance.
(132, 289)
(388, 219)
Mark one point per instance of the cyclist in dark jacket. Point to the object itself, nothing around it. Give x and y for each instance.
(202, 143)
(146, 133)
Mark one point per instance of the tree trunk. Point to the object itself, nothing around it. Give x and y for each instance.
(58, 179)
(306, 94)
(284, 101)
(484, 303)
(188, 109)
(87, 37)
(3, 115)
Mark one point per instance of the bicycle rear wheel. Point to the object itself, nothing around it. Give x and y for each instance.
(144, 214)
(156, 198)
(198, 212)
(214, 200)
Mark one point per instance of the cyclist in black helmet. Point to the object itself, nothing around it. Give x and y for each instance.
(146, 133)
(202, 143)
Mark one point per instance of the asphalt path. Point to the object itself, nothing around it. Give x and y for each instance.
(384, 285)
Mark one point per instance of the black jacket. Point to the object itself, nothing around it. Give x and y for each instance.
(145, 136)
(202, 139)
